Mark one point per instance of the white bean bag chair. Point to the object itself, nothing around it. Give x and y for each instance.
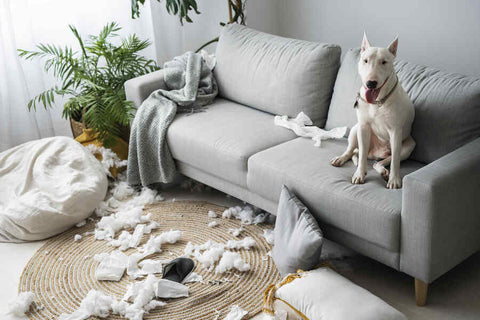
(46, 187)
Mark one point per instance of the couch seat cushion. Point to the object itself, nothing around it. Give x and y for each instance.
(369, 211)
(220, 140)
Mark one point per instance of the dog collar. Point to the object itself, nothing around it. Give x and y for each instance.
(380, 102)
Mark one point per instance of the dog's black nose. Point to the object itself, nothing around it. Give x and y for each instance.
(371, 84)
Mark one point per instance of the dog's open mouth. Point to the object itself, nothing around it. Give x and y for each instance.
(372, 94)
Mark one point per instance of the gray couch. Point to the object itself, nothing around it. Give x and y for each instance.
(424, 229)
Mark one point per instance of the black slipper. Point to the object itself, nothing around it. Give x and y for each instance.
(178, 269)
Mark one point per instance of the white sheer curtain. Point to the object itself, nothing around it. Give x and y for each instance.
(24, 23)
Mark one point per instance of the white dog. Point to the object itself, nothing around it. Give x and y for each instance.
(385, 115)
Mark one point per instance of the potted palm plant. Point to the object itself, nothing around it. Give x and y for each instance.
(93, 79)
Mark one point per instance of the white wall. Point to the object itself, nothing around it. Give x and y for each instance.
(171, 39)
(440, 33)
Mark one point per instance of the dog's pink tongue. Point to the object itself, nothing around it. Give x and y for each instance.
(371, 95)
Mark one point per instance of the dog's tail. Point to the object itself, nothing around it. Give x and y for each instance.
(355, 157)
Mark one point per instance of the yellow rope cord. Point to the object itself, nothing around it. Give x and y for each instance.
(269, 296)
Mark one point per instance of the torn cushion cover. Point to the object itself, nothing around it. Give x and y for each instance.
(298, 238)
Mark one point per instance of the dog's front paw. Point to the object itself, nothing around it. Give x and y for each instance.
(394, 182)
(338, 161)
(358, 177)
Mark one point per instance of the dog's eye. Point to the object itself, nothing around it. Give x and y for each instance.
(383, 62)
(365, 60)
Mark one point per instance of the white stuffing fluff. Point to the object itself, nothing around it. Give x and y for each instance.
(153, 305)
(212, 252)
(151, 226)
(269, 235)
(81, 223)
(21, 305)
(236, 313)
(96, 303)
(193, 277)
(212, 214)
(140, 294)
(150, 266)
(232, 260)
(77, 238)
(245, 243)
(123, 241)
(112, 266)
(154, 244)
(108, 226)
(247, 214)
(235, 231)
(210, 256)
(212, 224)
(109, 158)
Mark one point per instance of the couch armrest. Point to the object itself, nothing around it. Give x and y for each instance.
(441, 213)
(139, 88)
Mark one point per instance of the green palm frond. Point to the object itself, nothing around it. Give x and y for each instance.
(93, 78)
(180, 8)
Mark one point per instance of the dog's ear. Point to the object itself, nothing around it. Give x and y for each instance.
(365, 43)
(393, 47)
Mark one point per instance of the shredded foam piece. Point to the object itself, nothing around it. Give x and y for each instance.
(96, 303)
(21, 305)
(302, 125)
(212, 214)
(231, 260)
(236, 313)
(150, 266)
(269, 236)
(112, 266)
(212, 224)
(235, 231)
(170, 289)
(81, 223)
(245, 243)
(193, 277)
(77, 238)
(137, 236)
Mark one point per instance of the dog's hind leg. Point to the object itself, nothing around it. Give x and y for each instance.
(352, 146)
(407, 147)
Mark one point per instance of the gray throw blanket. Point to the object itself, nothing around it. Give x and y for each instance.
(190, 86)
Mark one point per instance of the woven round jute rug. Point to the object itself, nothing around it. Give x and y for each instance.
(62, 272)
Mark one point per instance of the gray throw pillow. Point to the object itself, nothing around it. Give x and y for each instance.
(298, 238)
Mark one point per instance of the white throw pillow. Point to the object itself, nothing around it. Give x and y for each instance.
(323, 294)
(46, 187)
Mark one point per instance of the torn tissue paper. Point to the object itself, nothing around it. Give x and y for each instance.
(170, 289)
(112, 266)
(193, 277)
(232, 260)
(19, 307)
(150, 266)
(302, 125)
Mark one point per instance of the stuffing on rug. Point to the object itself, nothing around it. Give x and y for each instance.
(18, 308)
(236, 313)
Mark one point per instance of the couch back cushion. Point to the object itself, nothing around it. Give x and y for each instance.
(447, 105)
(274, 74)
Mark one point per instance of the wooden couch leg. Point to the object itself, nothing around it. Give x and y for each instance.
(421, 289)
